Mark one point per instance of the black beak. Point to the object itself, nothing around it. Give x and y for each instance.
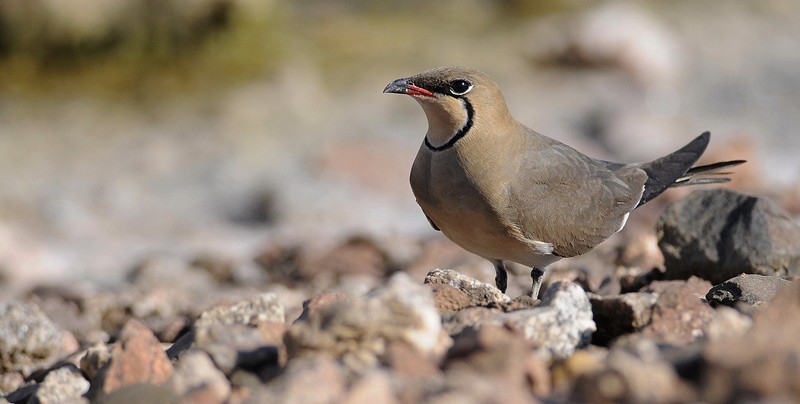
(399, 86)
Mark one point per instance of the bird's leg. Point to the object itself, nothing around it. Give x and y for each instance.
(501, 276)
(536, 276)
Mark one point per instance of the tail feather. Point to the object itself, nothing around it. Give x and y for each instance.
(675, 170)
(662, 173)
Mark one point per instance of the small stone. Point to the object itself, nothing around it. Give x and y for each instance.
(374, 387)
(196, 372)
(358, 331)
(264, 307)
(28, 339)
(456, 322)
(680, 314)
(136, 358)
(621, 314)
(234, 346)
(63, 385)
(313, 305)
(561, 323)
(727, 322)
(95, 358)
(313, 379)
(746, 288)
(718, 234)
(760, 363)
(479, 293)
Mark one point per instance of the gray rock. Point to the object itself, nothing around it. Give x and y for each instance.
(358, 331)
(561, 323)
(233, 346)
(621, 314)
(63, 385)
(746, 288)
(28, 339)
(718, 234)
(479, 293)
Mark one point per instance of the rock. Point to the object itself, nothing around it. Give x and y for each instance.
(374, 387)
(137, 358)
(313, 305)
(10, 381)
(235, 346)
(456, 322)
(718, 234)
(194, 373)
(261, 308)
(314, 379)
(493, 356)
(449, 299)
(680, 315)
(139, 393)
(479, 293)
(95, 358)
(621, 314)
(746, 288)
(634, 371)
(28, 339)
(63, 385)
(727, 322)
(760, 364)
(488, 364)
(561, 323)
(358, 255)
(358, 331)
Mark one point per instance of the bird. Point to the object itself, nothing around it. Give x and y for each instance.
(505, 192)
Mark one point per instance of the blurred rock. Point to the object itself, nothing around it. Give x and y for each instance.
(63, 385)
(680, 314)
(239, 346)
(10, 381)
(313, 305)
(479, 293)
(358, 331)
(490, 364)
(718, 234)
(28, 339)
(727, 322)
(621, 314)
(220, 268)
(95, 358)
(374, 387)
(281, 263)
(457, 321)
(357, 255)
(139, 393)
(559, 325)
(619, 34)
(313, 379)
(137, 358)
(746, 288)
(760, 365)
(634, 371)
(253, 311)
(195, 373)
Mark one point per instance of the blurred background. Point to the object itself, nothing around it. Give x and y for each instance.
(136, 128)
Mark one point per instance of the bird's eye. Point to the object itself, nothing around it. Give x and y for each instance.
(460, 87)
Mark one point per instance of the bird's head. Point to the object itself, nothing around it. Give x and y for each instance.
(455, 99)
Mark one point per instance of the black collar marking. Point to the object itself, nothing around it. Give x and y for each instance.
(461, 132)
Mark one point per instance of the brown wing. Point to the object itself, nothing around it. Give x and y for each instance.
(570, 200)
